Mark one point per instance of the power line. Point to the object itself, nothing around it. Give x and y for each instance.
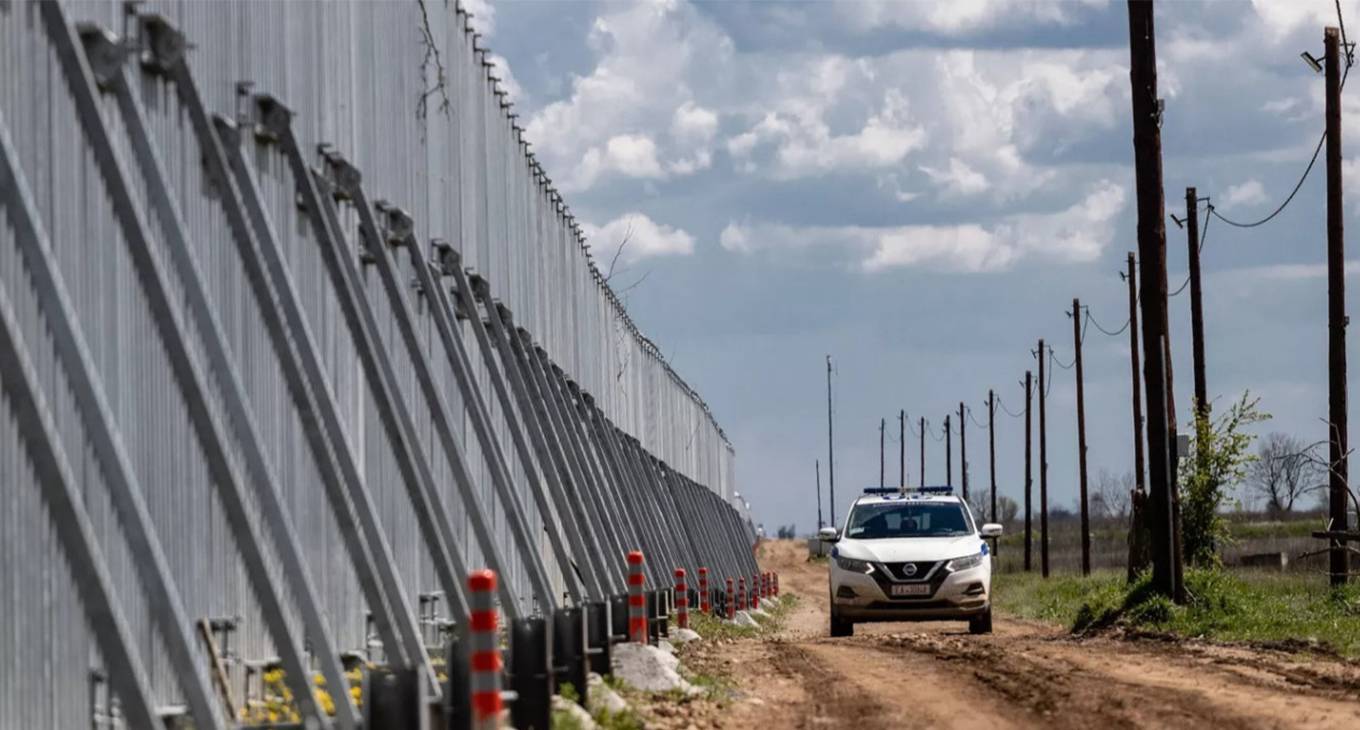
(1090, 319)
(1316, 151)
(973, 418)
(1008, 412)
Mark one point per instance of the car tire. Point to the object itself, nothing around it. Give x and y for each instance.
(841, 627)
(981, 624)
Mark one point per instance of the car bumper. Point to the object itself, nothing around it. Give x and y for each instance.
(960, 595)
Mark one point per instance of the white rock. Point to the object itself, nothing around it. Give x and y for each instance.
(684, 636)
(759, 613)
(603, 698)
(577, 712)
(665, 646)
(649, 669)
(744, 619)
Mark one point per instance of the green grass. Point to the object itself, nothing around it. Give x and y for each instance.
(712, 628)
(1290, 610)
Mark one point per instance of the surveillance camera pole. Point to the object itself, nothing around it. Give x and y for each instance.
(948, 454)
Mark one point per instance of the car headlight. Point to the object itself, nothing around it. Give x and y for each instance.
(855, 566)
(964, 563)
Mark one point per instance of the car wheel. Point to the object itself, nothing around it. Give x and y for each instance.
(839, 626)
(981, 624)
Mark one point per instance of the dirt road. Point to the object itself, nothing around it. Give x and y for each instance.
(1025, 675)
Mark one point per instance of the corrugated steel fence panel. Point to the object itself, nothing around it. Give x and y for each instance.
(352, 74)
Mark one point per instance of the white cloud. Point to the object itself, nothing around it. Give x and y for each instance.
(1075, 234)
(640, 238)
(959, 16)
(959, 179)
(1248, 193)
(802, 144)
(636, 105)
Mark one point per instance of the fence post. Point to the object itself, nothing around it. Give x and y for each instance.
(730, 600)
(704, 606)
(755, 591)
(741, 593)
(681, 599)
(637, 602)
(486, 652)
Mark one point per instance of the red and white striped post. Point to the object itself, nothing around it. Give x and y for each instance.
(703, 590)
(755, 591)
(681, 599)
(484, 642)
(776, 584)
(741, 593)
(731, 601)
(637, 602)
(764, 585)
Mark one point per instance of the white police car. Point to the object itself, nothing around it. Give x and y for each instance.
(913, 555)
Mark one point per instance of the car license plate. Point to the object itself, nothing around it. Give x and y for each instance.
(916, 589)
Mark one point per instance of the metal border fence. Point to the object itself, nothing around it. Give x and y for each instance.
(285, 358)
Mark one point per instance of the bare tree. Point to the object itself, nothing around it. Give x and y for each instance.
(1284, 472)
(1113, 498)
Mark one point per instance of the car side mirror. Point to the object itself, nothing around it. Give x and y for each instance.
(991, 529)
(828, 534)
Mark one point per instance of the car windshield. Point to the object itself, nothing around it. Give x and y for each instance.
(908, 519)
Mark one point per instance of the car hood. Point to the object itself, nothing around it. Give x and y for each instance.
(899, 550)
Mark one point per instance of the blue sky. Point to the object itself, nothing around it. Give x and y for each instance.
(920, 189)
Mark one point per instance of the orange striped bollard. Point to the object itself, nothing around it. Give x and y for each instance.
(703, 590)
(755, 591)
(764, 585)
(731, 601)
(484, 642)
(681, 599)
(741, 593)
(637, 603)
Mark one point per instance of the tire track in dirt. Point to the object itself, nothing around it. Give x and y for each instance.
(1025, 675)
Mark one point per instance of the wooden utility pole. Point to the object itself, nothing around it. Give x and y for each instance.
(881, 424)
(1196, 304)
(1138, 466)
(1043, 464)
(1139, 545)
(948, 454)
(1029, 470)
(1339, 563)
(830, 443)
(991, 445)
(902, 448)
(818, 466)
(963, 450)
(923, 452)
(1081, 441)
(1147, 144)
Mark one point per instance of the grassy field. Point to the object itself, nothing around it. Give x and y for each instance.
(1248, 534)
(1292, 610)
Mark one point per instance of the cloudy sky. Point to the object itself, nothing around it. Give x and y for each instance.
(920, 189)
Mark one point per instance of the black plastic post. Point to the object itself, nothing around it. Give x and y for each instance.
(598, 644)
(530, 674)
(570, 662)
(395, 698)
(457, 693)
(618, 618)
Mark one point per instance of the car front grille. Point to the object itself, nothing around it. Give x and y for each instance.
(910, 571)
